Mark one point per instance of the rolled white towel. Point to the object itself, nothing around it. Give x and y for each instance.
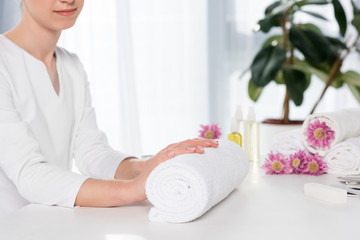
(185, 187)
(344, 157)
(287, 143)
(341, 125)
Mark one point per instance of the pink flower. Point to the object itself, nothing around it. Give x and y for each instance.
(298, 161)
(319, 134)
(210, 131)
(314, 165)
(276, 164)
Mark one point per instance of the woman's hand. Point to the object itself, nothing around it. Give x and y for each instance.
(188, 146)
(184, 147)
(106, 193)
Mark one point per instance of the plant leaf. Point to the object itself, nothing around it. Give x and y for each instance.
(314, 14)
(266, 64)
(271, 7)
(271, 39)
(356, 22)
(351, 77)
(308, 79)
(355, 9)
(336, 43)
(254, 91)
(306, 67)
(340, 16)
(296, 84)
(355, 91)
(310, 26)
(285, 6)
(309, 2)
(313, 45)
(274, 13)
(336, 47)
(322, 75)
(279, 79)
(268, 22)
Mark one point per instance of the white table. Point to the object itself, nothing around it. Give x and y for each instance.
(263, 207)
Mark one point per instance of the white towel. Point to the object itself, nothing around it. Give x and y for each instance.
(185, 187)
(287, 143)
(345, 124)
(344, 157)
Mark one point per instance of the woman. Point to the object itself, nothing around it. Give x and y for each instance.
(46, 120)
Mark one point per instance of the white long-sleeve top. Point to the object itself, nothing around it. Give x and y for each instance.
(42, 132)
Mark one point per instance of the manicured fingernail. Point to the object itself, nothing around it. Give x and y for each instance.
(200, 147)
(171, 154)
(190, 148)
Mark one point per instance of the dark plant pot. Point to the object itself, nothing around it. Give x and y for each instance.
(282, 122)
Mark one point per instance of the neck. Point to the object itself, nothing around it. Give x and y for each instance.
(35, 39)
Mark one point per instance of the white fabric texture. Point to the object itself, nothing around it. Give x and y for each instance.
(287, 143)
(41, 132)
(345, 124)
(185, 187)
(344, 157)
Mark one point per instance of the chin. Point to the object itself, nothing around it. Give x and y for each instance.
(64, 26)
(67, 26)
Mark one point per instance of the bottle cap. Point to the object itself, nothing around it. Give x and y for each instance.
(234, 125)
(238, 112)
(251, 114)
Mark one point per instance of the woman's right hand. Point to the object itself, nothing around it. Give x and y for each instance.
(175, 149)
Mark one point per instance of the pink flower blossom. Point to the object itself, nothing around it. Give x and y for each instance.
(298, 161)
(314, 165)
(276, 164)
(210, 131)
(319, 135)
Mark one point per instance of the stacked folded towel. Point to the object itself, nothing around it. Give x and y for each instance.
(344, 157)
(287, 143)
(335, 136)
(185, 187)
(322, 131)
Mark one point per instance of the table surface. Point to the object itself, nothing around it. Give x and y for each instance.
(262, 207)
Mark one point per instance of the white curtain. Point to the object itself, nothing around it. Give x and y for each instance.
(147, 66)
(170, 56)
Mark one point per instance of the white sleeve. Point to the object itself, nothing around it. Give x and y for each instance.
(93, 155)
(21, 159)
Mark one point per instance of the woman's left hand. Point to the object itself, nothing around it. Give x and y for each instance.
(138, 170)
(132, 167)
(188, 146)
(175, 149)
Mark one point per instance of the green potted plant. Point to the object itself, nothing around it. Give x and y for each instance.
(302, 51)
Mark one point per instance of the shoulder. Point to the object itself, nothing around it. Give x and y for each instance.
(68, 56)
(11, 59)
(7, 56)
(70, 61)
(4, 75)
(8, 49)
